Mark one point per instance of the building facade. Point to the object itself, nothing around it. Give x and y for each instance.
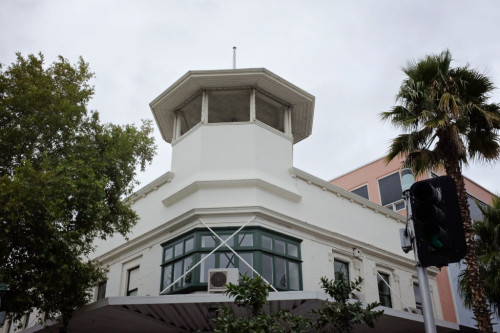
(233, 202)
(380, 182)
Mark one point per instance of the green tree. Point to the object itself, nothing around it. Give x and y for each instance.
(488, 249)
(338, 315)
(251, 293)
(447, 121)
(64, 176)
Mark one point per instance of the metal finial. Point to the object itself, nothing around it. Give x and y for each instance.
(234, 57)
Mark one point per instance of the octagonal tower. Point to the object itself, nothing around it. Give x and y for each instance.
(236, 125)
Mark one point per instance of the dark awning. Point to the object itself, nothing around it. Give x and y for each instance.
(191, 313)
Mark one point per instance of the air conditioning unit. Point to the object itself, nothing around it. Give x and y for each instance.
(219, 277)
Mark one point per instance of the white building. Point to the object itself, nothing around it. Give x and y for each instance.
(232, 134)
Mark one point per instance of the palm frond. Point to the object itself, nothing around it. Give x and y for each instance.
(401, 117)
(483, 146)
(423, 160)
(474, 86)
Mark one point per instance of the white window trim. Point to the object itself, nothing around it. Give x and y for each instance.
(126, 266)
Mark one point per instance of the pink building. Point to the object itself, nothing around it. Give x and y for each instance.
(380, 182)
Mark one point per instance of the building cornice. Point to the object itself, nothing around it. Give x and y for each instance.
(264, 216)
(230, 183)
(153, 186)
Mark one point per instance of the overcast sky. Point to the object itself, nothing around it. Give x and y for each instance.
(348, 54)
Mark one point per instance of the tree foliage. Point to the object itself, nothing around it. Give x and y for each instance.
(251, 294)
(64, 176)
(445, 115)
(488, 249)
(341, 314)
(337, 314)
(447, 120)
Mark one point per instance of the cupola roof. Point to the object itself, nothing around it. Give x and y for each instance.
(192, 83)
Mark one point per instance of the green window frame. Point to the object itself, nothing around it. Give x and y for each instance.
(275, 256)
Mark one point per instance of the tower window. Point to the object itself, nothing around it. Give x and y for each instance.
(225, 106)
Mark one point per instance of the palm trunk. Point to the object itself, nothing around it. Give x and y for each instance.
(479, 304)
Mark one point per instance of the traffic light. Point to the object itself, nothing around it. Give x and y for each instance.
(437, 222)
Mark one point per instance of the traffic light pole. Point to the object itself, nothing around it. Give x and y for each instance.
(423, 280)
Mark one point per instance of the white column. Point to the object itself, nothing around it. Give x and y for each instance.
(177, 128)
(174, 127)
(252, 105)
(288, 121)
(204, 107)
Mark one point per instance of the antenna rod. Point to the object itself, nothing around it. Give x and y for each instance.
(234, 57)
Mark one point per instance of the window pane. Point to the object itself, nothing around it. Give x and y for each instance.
(225, 106)
(243, 268)
(188, 244)
(400, 205)
(133, 281)
(383, 289)
(362, 191)
(418, 296)
(188, 263)
(475, 212)
(101, 290)
(279, 246)
(267, 242)
(226, 260)
(229, 242)
(205, 265)
(269, 111)
(267, 268)
(177, 273)
(178, 249)
(293, 270)
(191, 114)
(207, 241)
(133, 278)
(245, 239)
(390, 189)
(169, 253)
(293, 250)
(281, 272)
(385, 300)
(167, 276)
(342, 268)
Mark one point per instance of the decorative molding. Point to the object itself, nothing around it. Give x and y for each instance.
(231, 183)
(268, 215)
(153, 186)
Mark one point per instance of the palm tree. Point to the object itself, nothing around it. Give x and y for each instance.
(448, 121)
(488, 249)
